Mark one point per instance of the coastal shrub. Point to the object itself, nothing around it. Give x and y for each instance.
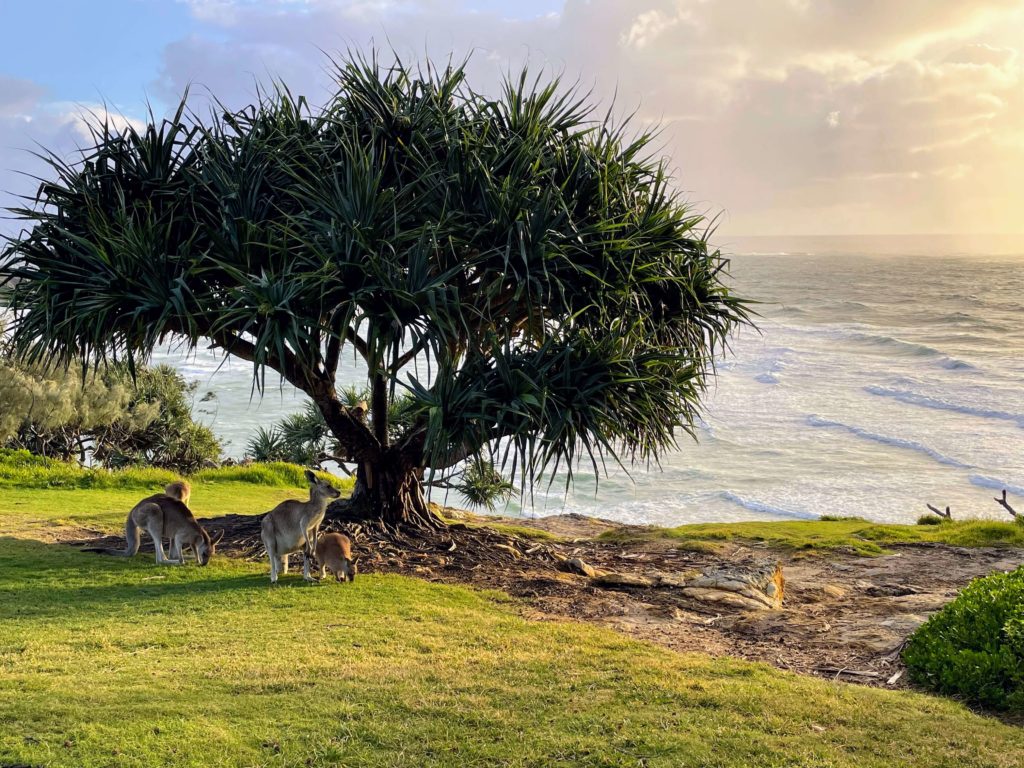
(106, 416)
(171, 439)
(974, 647)
(482, 485)
(299, 438)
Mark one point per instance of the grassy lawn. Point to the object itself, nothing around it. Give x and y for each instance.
(860, 536)
(107, 662)
(31, 511)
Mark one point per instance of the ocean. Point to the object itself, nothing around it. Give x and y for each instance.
(886, 373)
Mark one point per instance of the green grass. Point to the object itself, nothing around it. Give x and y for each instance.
(850, 533)
(32, 512)
(523, 531)
(471, 520)
(110, 662)
(20, 469)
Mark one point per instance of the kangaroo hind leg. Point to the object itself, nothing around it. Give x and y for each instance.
(275, 562)
(154, 526)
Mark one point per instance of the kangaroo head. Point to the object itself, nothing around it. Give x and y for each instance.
(205, 546)
(320, 489)
(348, 570)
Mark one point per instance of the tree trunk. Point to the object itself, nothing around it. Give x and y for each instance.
(389, 481)
(392, 490)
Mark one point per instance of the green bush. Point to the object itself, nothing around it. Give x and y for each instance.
(930, 520)
(172, 439)
(974, 647)
(104, 417)
(299, 438)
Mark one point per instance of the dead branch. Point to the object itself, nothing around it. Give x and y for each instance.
(947, 514)
(337, 460)
(1006, 505)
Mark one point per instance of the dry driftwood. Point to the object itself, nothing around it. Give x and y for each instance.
(1006, 505)
(759, 587)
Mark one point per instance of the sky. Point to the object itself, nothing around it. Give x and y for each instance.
(779, 117)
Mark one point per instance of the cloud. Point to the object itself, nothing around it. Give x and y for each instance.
(31, 124)
(791, 115)
(17, 96)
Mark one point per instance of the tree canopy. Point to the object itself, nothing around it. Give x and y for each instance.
(517, 266)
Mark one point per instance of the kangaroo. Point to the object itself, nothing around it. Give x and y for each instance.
(292, 525)
(334, 552)
(166, 516)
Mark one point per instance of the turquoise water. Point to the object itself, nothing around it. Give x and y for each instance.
(887, 373)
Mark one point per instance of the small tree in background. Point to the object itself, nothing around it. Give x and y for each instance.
(300, 438)
(172, 438)
(518, 267)
(106, 416)
(56, 412)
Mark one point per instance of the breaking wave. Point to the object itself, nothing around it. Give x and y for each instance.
(759, 506)
(982, 481)
(913, 398)
(884, 343)
(817, 421)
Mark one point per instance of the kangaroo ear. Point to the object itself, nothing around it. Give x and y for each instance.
(216, 539)
(310, 477)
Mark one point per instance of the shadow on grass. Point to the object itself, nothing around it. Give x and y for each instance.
(43, 580)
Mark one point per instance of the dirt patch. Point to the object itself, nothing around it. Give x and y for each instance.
(58, 532)
(844, 616)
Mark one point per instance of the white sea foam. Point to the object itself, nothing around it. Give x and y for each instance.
(768, 509)
(982, 481)
(898, 442)
(925, 401)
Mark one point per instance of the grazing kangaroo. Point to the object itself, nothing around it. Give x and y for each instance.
(292, 525)
(334, 552)
(166, 516)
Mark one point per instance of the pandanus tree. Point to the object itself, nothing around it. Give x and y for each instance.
(517, 268)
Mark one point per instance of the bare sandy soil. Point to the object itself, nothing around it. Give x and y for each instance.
(844, 615)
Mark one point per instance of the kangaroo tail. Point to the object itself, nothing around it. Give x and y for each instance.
(133, 536)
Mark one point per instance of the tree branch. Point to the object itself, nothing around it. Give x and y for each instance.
(293, 372)
(347, 424)
(405, 359)
(356, 341)
(412, 443)
(1006, 505)
(947, 514)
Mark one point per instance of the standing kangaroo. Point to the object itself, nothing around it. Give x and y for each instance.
(166, 516)
(292, 525)
(334, 552)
